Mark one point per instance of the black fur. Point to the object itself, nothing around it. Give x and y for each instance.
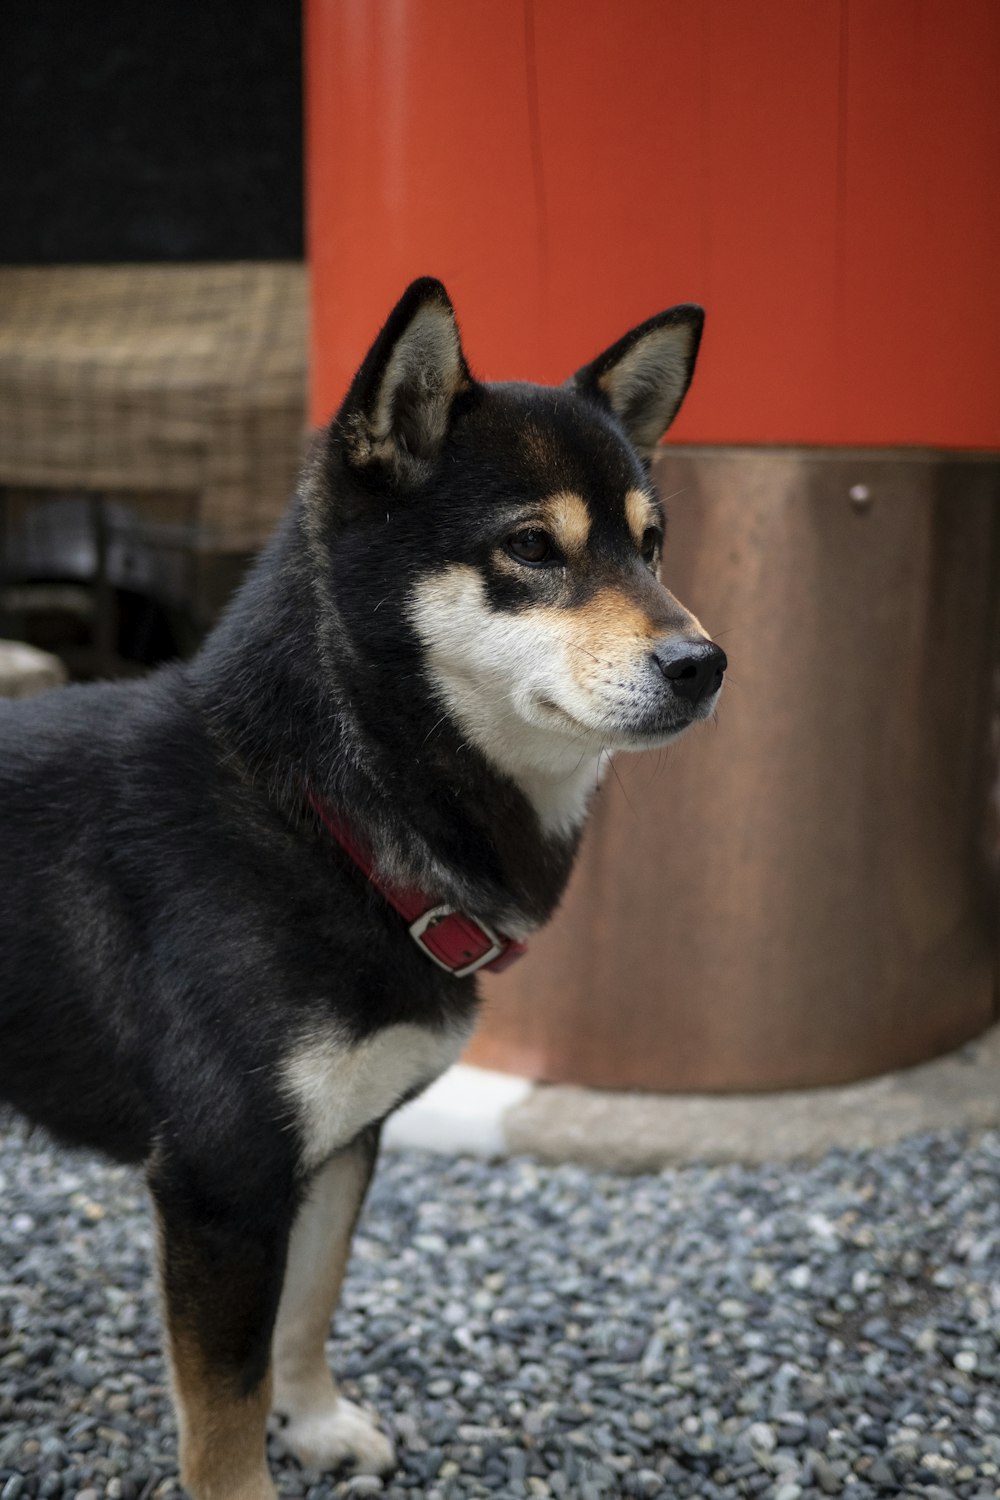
(175, 916)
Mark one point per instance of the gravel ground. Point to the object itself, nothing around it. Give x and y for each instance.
(829, 1329)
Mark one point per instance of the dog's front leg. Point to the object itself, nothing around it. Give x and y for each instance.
(221, 1265)
(323, 1429)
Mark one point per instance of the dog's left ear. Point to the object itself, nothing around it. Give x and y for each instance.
(645, 375)
(397, 411)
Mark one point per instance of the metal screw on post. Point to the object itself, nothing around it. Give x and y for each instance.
(860, 496)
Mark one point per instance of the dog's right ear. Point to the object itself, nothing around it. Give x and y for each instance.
(645, 375)
(397, 410)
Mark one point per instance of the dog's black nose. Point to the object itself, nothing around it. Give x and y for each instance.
(693, 671)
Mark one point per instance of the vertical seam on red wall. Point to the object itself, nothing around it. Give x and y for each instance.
(706, 156)
(535, 143)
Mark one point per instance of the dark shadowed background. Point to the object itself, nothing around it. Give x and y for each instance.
(132, 132)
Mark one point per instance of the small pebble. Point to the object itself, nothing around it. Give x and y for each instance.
(762, 1437)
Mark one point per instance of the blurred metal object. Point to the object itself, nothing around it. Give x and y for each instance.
(25, 672)
(68, 559)
(804, 892)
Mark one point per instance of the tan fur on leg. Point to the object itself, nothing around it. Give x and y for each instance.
(222, 1436)
(323, 1429)
(222, 1432)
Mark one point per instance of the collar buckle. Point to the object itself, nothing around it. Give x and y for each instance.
(451, 951)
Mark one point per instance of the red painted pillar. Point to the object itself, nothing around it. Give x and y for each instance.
(824, 177)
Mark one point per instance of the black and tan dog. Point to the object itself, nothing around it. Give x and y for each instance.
(243, 901)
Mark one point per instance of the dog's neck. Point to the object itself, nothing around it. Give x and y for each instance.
(561, 799)
(438, 817)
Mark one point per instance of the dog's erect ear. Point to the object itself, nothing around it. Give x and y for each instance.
(396, 413)
(644, 377)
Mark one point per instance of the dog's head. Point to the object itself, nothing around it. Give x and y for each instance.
(515, 530)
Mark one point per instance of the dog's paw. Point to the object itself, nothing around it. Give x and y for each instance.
(340, 1434)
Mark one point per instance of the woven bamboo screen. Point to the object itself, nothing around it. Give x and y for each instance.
(185, 378)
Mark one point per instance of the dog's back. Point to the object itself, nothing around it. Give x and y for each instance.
(73, 862)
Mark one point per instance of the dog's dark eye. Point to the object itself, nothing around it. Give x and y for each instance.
(650, 546)
(532, 546)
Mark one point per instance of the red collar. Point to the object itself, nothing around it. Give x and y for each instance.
(457, 943)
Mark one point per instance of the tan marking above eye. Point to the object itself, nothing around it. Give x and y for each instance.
(566, 517)
(641, 514)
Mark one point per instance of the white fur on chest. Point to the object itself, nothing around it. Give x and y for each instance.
(337, 1086)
